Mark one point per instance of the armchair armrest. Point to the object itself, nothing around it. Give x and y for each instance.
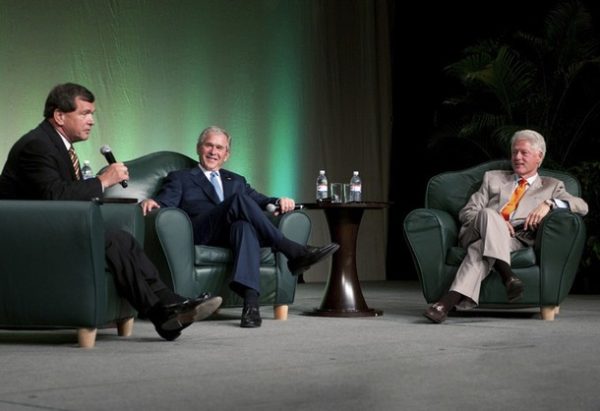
(169, 241)
(559, 245)
(430, 233)
(126, 217)
(296, 227)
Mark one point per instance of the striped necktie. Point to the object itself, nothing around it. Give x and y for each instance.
(75, 163)
(514, 199)
(214, 179)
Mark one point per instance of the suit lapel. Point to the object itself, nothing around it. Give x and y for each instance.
(529, 199)
(57, 141)
(204, 183)
(506, 189)
(227, 180)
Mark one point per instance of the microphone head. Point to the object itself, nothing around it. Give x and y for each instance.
(271, 208)
(105, 149)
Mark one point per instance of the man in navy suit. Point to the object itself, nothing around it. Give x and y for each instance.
(226, 211)
(40, 167)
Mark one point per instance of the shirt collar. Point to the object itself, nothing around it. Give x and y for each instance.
(67, 143)
(208, 172)
(530, 180)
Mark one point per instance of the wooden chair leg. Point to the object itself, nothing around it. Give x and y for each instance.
(86, 337)
(548, 313)
(125, 327)
(280, 312)
(557, 310)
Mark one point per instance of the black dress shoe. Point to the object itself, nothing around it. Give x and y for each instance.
(514, 289)
(300, 264)
(436, 313)
(167, 335)
(165, 321)
(170, 320)
(199, 308)
(251, 317)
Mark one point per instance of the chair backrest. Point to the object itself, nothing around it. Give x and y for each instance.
(147, 173)
(451, 190)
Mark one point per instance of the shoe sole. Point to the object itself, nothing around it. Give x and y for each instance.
(433, 320)
(255, 325)
(207, 308)
(198, 313)
(515, 293)
(325, 253)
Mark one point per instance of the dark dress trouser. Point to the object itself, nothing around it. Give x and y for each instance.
(137, 279)
(240, 224)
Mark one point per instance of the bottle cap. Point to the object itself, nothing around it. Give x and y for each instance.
(321, 171)
(355, 173)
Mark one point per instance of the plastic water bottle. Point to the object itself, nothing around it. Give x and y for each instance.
(86, 170)
(322, 186)
(355, 187)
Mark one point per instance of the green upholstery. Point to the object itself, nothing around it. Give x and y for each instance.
(548, 269)
(191, 269)
(52, 270)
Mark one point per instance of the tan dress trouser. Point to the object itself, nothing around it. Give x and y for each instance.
(487, 240)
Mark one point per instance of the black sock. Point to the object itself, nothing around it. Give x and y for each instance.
(168, 297)
(291, 249)
(250, 297)
(451, 299)
(503, 269)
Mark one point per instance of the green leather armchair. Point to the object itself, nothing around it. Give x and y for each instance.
(191, 269)
(548, 269)
(52, 270)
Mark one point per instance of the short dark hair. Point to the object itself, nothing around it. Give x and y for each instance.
(62, 97)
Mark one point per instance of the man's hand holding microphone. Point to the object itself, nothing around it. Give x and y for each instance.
(115, 173)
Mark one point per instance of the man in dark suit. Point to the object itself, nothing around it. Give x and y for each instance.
(42, 165)
(226, 211)
(501, 217)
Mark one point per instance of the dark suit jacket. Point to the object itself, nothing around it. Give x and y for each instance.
(39, 168)
(191, 191)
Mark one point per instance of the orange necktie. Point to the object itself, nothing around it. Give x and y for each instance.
(514, 199)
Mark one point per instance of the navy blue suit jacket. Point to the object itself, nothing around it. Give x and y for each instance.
(191, 191)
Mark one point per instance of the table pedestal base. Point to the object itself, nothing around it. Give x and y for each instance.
(343, 295)
(369, 312)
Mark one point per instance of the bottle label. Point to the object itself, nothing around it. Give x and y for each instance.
(322, 187)
(355, 187)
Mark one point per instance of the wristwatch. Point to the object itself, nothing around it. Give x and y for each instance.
(550, 204)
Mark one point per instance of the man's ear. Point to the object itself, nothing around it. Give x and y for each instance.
(59, 117)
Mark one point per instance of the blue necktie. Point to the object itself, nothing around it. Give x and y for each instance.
(214, 179)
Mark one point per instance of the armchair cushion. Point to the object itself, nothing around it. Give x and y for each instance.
(208, 255)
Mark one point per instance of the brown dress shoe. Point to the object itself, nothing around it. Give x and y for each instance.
(437, 313)
(514, 289)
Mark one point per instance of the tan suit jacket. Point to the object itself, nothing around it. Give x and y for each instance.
(497, 187)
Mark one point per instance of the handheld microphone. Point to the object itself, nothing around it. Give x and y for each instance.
(110, 158)
(271, 208)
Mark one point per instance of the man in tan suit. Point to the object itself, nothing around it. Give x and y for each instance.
(501, 217)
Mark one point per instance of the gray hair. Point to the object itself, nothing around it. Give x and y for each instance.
(217, 130)
(533, 137)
